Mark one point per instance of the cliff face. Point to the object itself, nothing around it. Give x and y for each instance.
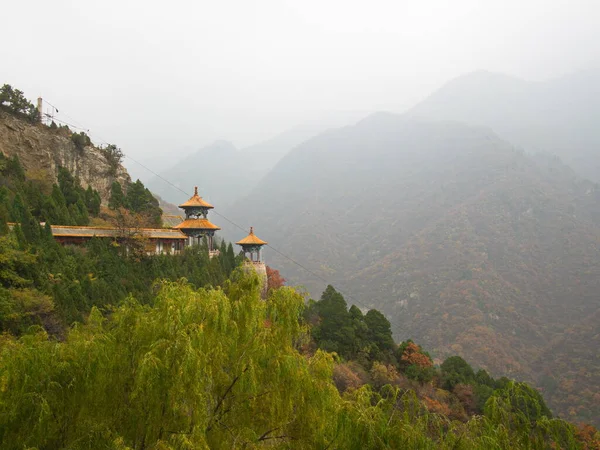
(42, 149)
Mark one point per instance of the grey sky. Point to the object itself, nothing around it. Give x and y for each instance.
(157, 77)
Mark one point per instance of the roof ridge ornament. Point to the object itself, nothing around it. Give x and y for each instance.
(252, 240)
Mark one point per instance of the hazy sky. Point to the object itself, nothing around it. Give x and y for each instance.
(158, 77)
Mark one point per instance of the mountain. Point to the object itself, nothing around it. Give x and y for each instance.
(225, 174)
(557, 116)
(469, 245)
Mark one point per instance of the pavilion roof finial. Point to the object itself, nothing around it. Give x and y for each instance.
(196, 201)
(252, 239)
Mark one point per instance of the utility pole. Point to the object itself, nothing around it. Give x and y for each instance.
(39, 108)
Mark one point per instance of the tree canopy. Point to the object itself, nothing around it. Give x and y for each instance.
(219, 368)
(14, 102)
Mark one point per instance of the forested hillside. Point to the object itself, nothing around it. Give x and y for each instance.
(557, 116)
(44, 283)
(467, 244)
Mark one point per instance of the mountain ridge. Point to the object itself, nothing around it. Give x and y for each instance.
(556, 116)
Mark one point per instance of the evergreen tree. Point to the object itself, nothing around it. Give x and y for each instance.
(82, 213)
(456, 370)
(334, 332)
(3, 220)
(15, 169)
(19, 210)
(117, 198)
(380, 330)
(14, 101)
(92, 201)
(362, 345)
(69, 186)
(140, 200)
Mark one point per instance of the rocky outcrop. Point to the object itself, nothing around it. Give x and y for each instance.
(41, 148)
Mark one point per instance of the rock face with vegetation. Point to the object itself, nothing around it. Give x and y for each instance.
(42, 150)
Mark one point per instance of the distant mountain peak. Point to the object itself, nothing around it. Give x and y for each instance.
(220, 145)
(557, 116)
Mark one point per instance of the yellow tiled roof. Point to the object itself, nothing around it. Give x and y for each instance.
(252, 239)
(196, 200)
(170, 220)
(89, 232)
(196, 224)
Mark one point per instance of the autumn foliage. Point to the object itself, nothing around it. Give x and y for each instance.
(274, 279)
(413, 355)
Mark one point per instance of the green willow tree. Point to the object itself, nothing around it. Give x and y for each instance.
(220, 369)
(201, 369)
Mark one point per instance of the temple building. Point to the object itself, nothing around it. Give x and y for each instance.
(178, 234)
(196, 225)
(156, 240)
(252, 248)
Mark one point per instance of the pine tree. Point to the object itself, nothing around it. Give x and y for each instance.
(380, 330)
(117, 198)
(140, 200)
(92, 201)
(19, 210)
(334, 332)
(3, 220)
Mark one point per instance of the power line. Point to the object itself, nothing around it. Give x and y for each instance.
(79, 124)
(314, 274)
(69, 124)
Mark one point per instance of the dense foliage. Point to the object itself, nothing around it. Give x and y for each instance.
(221, 369)
(30, 199)
(370, 356)
(138, 200)
(350, 333)
(42, 282)
(69, 281)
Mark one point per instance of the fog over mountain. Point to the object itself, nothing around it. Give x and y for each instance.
(464, 241)
(155, 80)
(224, 174)
(558, 116)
